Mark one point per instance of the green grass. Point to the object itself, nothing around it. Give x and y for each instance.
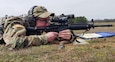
(93, 52)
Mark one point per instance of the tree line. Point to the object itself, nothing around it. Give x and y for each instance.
(83, 19)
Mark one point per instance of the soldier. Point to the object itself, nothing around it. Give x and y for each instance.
(15, 32)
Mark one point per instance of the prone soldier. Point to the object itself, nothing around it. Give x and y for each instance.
(15, 34)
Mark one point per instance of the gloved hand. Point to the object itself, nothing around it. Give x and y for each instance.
(51, 36)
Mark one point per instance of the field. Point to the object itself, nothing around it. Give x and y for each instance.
(98, 50)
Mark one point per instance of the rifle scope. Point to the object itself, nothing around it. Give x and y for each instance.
(62, 18)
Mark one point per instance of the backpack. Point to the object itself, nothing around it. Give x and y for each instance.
(14, 31)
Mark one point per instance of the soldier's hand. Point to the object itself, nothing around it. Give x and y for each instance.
(65, 34)
(51, 36)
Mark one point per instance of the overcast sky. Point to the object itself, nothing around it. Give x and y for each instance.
(96, 9)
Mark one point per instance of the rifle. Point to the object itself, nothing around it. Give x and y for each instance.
(60, 23)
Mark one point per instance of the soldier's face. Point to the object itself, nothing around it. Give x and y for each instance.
(42, 22)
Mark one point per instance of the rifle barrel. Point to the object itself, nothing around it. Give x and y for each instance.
(85, 26)
(77, 27)
(103, 25)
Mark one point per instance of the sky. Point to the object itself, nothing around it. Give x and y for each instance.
(91, 9)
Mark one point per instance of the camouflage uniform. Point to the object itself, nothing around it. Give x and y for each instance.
(15, 35)
(15, 32)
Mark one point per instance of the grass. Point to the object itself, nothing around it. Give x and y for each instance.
(93, 52)
(98, 50)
